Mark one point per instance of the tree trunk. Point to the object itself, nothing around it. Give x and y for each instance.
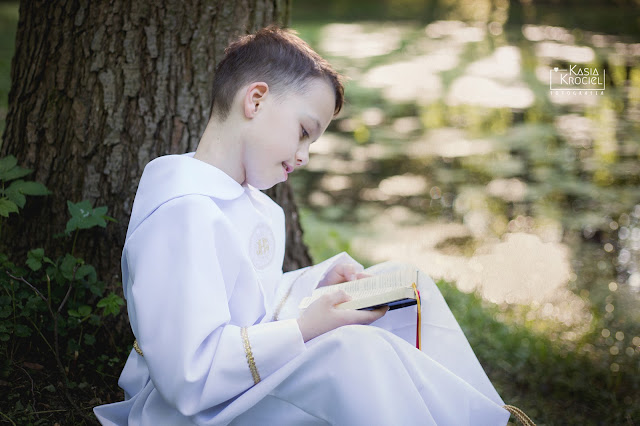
(101, 88)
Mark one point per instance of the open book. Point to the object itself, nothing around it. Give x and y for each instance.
(394, 289)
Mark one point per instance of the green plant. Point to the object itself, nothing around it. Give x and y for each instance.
(50, 310)
(13, 189)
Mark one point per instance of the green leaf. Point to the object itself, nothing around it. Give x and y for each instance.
(16, 196)
(22, 330)
(89, 339)
(95, 320)
(80, 210)
(5, 312)
(86, 271)
(7, 163)
(18, 189)
(83, 216)
(34, 259)
(96, 288)
(72, 345)
(7, 207)
(29, 188)
(100, 211)
(72, 225)
(84, 310)
(111, 304)
(68, 264)
(50, 388)
(15, 173)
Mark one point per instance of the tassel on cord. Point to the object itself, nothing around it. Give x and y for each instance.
(515, 411)
(520, 415)
(419, 319)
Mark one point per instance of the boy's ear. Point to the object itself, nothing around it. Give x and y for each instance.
(254, 96)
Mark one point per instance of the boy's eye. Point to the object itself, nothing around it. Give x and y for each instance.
(304, 134)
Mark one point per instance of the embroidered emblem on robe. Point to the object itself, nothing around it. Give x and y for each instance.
(262, 245)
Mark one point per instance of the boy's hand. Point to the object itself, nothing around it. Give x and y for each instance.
(340, 273)
(322, 316)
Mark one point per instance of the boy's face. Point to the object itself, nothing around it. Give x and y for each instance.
(280, 130)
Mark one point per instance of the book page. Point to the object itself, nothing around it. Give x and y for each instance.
(370, 286)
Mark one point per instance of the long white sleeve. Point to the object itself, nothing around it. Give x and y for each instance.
(183, 273)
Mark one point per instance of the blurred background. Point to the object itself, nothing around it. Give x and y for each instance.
(453, 153)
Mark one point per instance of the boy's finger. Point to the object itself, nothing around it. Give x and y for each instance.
(347, 271)
(338, 296)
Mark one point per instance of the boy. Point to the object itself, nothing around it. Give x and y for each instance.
(218, 338)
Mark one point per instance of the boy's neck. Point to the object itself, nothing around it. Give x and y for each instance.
(220, 146)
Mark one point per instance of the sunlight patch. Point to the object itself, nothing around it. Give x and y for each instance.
(449, 143)
(503, 64)
(482, 91)
(565, 52)
(415, 79)
(353, 41)
(404, 185)
(512, 190)
(335, 183)
(457, 30)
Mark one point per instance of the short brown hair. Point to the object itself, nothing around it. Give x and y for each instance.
(276, 56)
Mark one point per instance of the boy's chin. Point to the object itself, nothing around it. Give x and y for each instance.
(263, 183)
(263, 186)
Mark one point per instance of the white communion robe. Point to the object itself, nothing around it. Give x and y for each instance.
(214, 317)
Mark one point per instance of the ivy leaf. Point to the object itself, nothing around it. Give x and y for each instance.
(7, 207)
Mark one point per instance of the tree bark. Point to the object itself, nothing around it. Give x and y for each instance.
(100, 88)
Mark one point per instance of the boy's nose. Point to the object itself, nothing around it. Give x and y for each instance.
(302, 156)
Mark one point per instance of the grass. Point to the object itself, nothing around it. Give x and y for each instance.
(555, 382)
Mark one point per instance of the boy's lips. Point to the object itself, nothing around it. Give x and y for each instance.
(287, 167)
